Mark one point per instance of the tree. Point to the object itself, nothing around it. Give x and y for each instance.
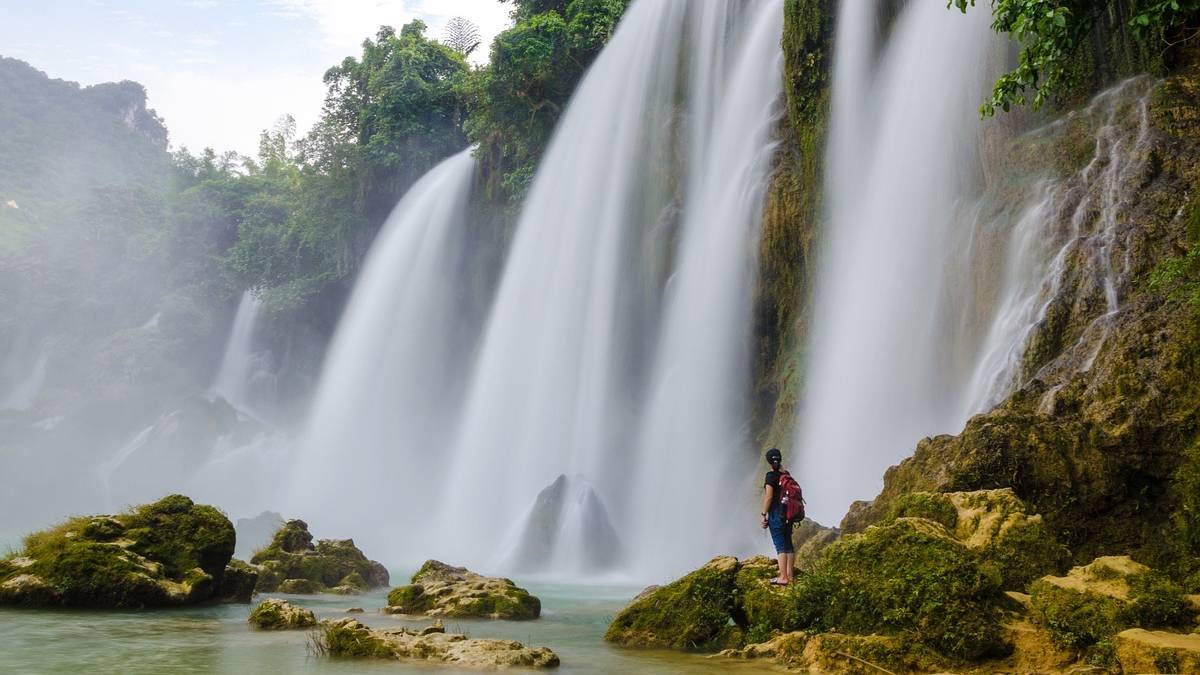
(462, 36)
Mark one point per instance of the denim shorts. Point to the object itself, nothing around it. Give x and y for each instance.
(781, 531)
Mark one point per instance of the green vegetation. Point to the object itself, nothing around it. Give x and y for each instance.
(691, 613)
(292, 563)
(281, 615)
(350, 640)
(1052, 32)
(171, 552)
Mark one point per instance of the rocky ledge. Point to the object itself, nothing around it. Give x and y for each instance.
(946, 581)
(276, 614)
(292, 563)
(347, 638)
(169, 553)
(438, 589)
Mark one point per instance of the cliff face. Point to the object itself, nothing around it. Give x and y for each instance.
(1100, 433)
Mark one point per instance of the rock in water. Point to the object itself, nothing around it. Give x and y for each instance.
(239, 582)
(569, 525)
(254, 534)
(293, 564)
(275, 614)
(437, 589)
(349, 638)
(169, 553)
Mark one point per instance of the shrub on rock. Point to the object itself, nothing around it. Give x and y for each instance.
(171, 552)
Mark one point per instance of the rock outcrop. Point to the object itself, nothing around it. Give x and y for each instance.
(932, 572)
(169, 553)
(567, 514)
(1144, 651)
(347, 638)
(292, 563)
(438, 589)
(275, 614)
(239, 582)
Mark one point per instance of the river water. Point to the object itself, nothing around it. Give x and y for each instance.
(216, 639)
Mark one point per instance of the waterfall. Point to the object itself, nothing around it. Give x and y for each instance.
(929, 291)
(384, 410)
(616, 348)
(241, 366)
(617, 345)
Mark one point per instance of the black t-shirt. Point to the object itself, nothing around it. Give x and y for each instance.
(772, 479)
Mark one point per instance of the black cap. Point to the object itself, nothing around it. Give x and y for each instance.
(774, 455)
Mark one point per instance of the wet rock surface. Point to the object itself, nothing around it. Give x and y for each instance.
(276, 614)
(438, 589)
(348, 638)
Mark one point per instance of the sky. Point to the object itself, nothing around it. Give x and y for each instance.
(219, 71)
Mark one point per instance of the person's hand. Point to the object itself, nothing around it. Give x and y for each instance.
(764, 522)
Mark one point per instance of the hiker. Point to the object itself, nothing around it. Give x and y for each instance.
(779, 489)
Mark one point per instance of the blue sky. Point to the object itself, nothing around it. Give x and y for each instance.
(218, 71)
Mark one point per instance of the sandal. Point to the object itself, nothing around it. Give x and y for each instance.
(777, 582)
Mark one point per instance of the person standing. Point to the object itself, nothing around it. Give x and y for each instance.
(774, 519)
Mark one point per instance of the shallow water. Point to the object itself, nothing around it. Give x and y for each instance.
(217, 639)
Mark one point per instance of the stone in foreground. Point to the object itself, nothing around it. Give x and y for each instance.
(1144, 651)
(276, 614)
(169, 553)
(347, 638)
(437, 589)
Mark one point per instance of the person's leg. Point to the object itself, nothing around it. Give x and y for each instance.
(780, 539)
(789, 564)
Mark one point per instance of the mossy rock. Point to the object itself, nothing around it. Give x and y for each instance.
(438, 589)
(275, 614)
(327, 564)
(692, 613)
(1143, 651)
(1092, 603)
(238, 582)
(996, 525)
(171, 552)
(347, 638)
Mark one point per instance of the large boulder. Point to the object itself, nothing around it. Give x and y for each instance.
(239, 582)
(691, 613)
(347, 638)
(438, 589)
(568, 517)
(292, 563)
(275, 614)
(909, 579)
(169, 553)
(995, 524)
(1094, 602)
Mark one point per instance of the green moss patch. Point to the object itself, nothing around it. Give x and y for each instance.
(691, 613)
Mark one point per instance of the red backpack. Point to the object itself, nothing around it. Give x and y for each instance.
(791, 498)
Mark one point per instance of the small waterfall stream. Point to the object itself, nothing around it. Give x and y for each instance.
(243, 373)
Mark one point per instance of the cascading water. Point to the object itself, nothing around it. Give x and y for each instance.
(589, 367)
(241, 367)
(926, 298)
(386, 404)
(22, 373)
(616, 349)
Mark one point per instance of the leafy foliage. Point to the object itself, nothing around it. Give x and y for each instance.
(1050, 32)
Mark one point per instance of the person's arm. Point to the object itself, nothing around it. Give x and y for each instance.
(768, 495)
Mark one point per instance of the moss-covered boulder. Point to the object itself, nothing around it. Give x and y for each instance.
(691, 613)
(275, 614)
(239, 582)
(292, 563)
(438, 589)
(347, 638)
(1092, 603)
(995, 524)
(172, 552)
(908, 579)
(834, 653)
